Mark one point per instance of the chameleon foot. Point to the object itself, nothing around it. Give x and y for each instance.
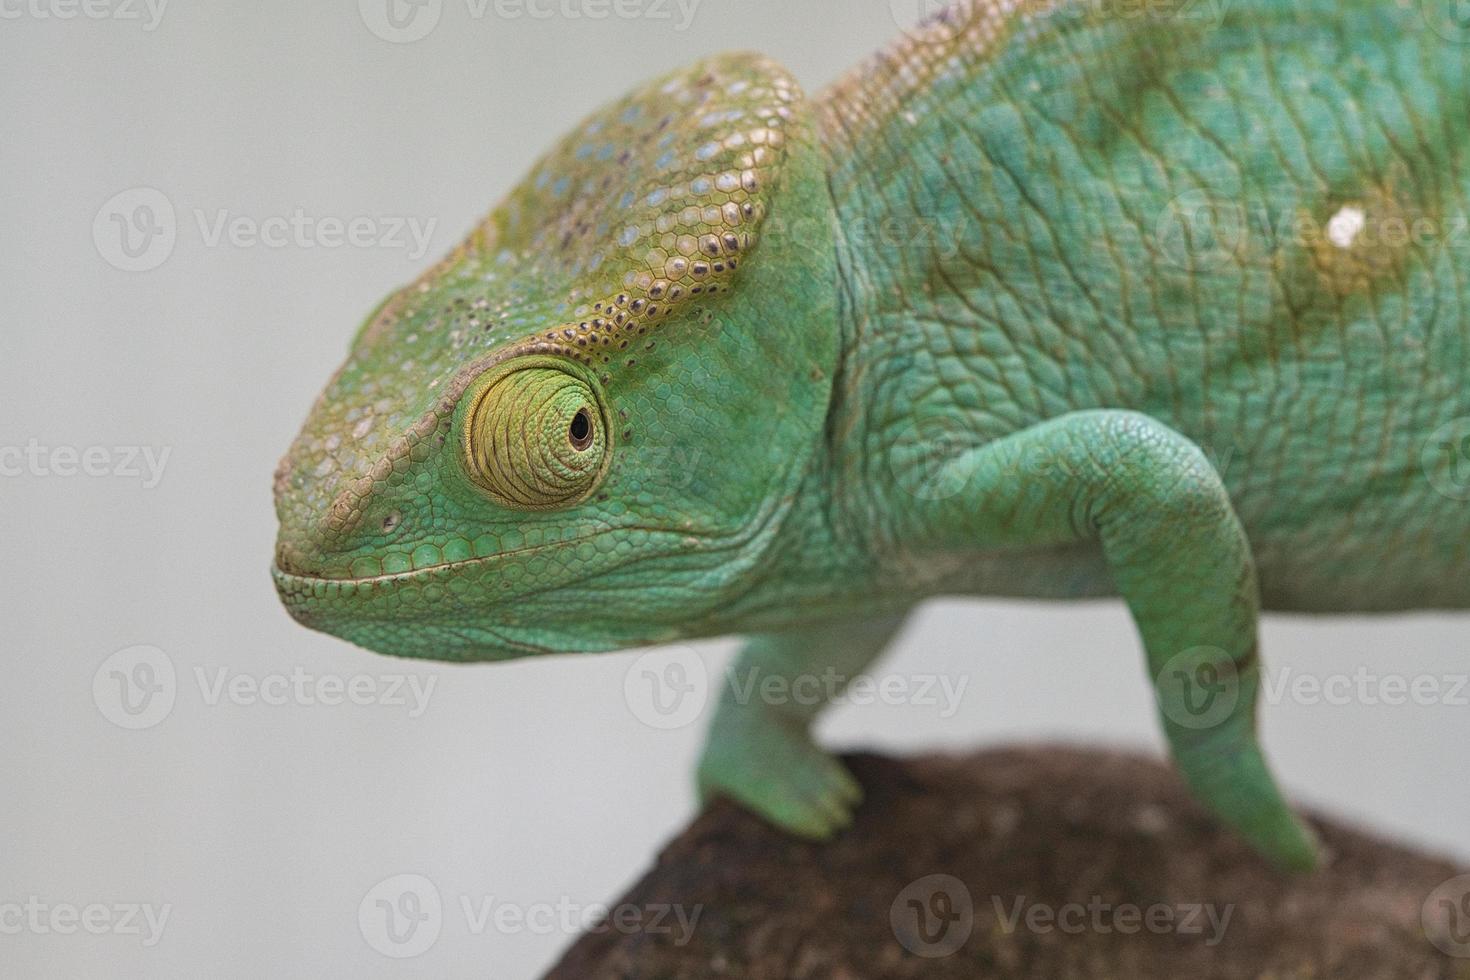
(778, 772)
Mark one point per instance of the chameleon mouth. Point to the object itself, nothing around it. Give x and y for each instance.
(288, 570)
(328, 586)
(406, 613)
(304, 596)
(357, 607)
(300, 591)
(304, 591)
(320, 603)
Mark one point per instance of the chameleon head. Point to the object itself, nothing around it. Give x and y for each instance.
(583, 428)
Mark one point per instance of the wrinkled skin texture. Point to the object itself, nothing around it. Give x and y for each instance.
(1043, 301)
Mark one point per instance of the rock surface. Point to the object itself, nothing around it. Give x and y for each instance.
(1047, 863)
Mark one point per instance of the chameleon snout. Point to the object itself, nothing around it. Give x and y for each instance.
(293, 560)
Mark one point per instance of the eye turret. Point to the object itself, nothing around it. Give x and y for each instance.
(535, 435)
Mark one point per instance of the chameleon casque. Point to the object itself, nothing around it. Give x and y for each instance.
(1047, 300)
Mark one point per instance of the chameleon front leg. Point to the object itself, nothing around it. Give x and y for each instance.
(760, 751)
(1177, 553)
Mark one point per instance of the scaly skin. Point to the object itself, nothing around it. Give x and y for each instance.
(1043, 301)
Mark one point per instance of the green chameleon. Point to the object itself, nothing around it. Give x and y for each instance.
(1162, 301)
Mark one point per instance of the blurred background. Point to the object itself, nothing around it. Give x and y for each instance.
(200, 203)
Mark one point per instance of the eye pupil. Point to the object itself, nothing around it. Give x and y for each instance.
(580, 431)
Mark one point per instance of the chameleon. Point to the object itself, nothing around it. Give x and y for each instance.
(1061, 300)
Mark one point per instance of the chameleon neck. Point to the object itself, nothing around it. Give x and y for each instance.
(920, 229)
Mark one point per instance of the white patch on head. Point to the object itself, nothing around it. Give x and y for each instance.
(1346, 225)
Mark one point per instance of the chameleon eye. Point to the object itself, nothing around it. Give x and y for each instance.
(535, 436)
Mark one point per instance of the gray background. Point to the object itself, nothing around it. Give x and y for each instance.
(263, 826)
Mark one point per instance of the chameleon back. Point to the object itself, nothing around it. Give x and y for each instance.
(1248, 221)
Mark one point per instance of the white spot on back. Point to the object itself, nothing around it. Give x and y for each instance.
(1346, 225)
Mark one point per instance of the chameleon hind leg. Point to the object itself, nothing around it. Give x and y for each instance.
(760, 751)
(1178, 555)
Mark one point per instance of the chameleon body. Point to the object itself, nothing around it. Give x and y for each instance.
(1046, 300)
